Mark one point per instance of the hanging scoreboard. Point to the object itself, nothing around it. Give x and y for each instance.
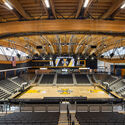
(65, 61)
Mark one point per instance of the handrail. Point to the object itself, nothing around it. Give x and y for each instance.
(14, 69)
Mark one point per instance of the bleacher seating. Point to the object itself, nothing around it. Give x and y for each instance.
(64, 79)
(105, 78)
(9, 86)
(82, 79)
(117, 85)
(91, 77)
(31, 118)
(47, 79)
(3, 95)
(37, 78)
(123, 93)
(28, 76)
(19, 80)
(100, 118)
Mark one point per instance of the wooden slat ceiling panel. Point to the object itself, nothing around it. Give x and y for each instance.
(82, 42)
(99, 7)
(66, 7)
(33, 7)
(120, 14)
(6, 14)
(3, 11)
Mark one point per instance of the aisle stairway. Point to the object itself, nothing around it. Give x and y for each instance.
(63, 119)
(74, 119)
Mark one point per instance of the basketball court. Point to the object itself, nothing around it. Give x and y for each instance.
(39, 92)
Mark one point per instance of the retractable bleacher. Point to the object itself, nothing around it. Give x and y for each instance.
(47, 79)
(64, 79)
(9, 85)
(19, 80)
(105, 78)
(3, 94)
(31, 118)
(100, 118)
(117, 85)
(82, 79)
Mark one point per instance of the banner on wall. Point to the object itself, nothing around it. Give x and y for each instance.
(13, 61)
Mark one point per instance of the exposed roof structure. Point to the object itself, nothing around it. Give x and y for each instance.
(61, 9)
(66, 43)
(62, 27)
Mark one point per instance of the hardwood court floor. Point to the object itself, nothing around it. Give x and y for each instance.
(64, 91)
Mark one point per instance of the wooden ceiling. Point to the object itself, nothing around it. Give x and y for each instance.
(70, 44)
(61, 9)
(30, 22)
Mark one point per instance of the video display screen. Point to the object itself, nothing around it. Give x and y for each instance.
(65, 61)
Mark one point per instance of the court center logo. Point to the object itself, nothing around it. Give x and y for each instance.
(65, 91)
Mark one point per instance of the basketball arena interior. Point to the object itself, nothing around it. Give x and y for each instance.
(62, 62)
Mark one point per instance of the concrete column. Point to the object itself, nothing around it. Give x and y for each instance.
(74, 79)
(55, 79)
(40, 79)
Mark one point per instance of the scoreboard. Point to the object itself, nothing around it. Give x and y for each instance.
(65, 61)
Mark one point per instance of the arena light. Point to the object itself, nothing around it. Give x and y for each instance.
(44, 58)
(47, 3)
(78, 58)
(85, 58)
(92, 58)
(86, 3)
(8, 5)
(123, 6)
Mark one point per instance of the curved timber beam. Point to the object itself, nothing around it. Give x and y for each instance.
(16, 4)
(17, 46)
(51, 46)
(79, 8)
(112, 60)
(58, 26)
(112, 46)
(113, 8)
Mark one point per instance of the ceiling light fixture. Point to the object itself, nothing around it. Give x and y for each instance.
(78, 58)
(123, 6)
(47, 3)
(8, 5)
(86, 3)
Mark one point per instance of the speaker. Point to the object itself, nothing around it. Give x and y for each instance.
(36, 55)
(111, 55)
(93, 46)
(18, 55)
(39, 47)
(27, 57)
(102, 56)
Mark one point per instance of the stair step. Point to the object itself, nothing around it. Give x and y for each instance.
(63, 119)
